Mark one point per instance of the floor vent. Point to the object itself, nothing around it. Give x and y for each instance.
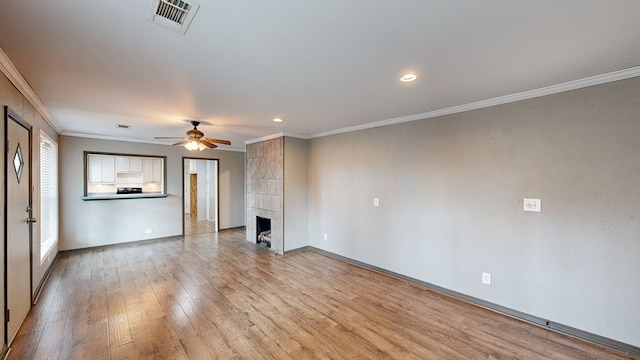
(173, 14)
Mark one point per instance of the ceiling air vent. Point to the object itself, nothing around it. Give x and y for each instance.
(173, 14)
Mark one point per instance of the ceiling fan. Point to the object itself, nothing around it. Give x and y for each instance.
(195, 139)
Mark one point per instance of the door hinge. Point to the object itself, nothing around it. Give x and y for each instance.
(7, 315)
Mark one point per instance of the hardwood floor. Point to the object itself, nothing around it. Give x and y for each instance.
(195, 227)
(215, 296)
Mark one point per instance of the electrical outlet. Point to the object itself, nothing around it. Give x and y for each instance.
(325, 236)
(486, 278)
(148, 231)
(534, 205)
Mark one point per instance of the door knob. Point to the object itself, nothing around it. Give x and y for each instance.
(30, 218)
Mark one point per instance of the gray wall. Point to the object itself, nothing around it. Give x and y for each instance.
(296, 193)
(451, 191)
(94, 223)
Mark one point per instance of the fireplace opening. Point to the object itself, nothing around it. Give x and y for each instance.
(263, 231)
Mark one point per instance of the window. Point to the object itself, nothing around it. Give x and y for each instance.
(48, 195)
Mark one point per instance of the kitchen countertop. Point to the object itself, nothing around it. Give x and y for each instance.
(123, 196)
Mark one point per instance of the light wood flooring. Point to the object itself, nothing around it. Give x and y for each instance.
(216, 296)
(195, 227)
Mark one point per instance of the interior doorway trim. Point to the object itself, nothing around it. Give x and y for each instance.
(217, 189)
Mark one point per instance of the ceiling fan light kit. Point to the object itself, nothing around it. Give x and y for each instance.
(192, 146)
(195, 139)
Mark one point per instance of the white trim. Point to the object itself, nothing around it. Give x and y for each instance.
(12, 73)
(277, 135)
(548, 90)
(114, 138)
(134, 140)
(264, 138)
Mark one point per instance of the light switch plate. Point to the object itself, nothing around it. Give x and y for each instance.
(376, 202)
(534, 205)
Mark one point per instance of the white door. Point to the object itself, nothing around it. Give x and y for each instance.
(19, 220)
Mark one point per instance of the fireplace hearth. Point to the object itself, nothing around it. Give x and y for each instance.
(263, 231)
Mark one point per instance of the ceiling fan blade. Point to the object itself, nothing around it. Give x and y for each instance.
(168, 137)
(218, 141)
(208, 144)
(181, 142)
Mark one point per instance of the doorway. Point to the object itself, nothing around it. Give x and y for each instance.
(200, 196)
(18, 222)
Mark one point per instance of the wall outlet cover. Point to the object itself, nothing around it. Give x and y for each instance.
(486, 278)
(534, 205)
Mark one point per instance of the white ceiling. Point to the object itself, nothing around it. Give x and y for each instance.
(320, 65)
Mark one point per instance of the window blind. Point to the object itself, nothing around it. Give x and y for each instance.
(48, 195)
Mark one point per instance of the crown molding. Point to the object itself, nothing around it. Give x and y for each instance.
(133, 140)
(113, 138)
(12, 73)
(530, 94)
(277, 135)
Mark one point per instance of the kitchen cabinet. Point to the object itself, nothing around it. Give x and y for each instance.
(111, 176)
(101, 169)
(128, 164)
(152, 170)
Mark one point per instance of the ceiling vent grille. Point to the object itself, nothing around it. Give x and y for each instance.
(173, 14)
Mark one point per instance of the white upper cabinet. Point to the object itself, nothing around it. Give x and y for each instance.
(128, 164)
(152, 170)
(101, 168)
(135, 164)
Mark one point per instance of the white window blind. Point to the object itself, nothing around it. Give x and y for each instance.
(48, 195)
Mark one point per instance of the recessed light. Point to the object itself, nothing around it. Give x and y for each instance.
(278, 120)
(408, 77)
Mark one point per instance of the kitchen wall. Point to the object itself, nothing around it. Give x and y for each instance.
(102, 222)
(451, 195)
